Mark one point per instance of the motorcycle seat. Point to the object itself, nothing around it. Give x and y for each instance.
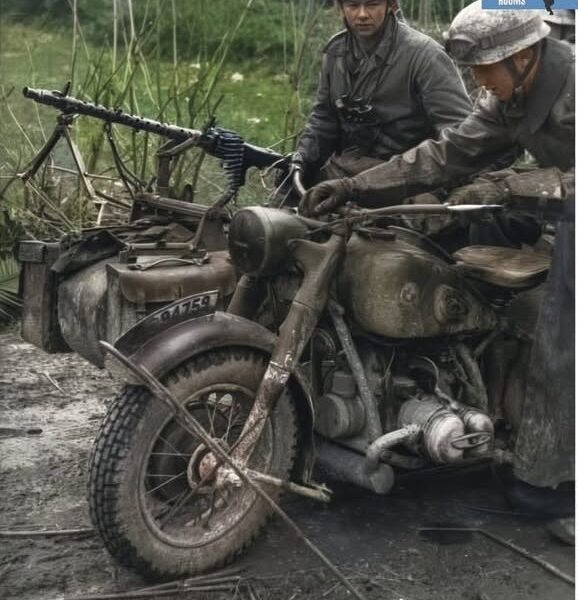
(503, 267)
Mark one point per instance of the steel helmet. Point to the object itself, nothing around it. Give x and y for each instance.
(561, 17)
(479, 36)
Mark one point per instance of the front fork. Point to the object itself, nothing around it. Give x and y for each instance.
(319, 263)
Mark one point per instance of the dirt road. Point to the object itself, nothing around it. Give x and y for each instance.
(50, 407)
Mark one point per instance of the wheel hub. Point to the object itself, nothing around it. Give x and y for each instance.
(203, 466)
(207, 466)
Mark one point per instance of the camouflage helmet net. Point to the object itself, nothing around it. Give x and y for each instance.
(483, 37)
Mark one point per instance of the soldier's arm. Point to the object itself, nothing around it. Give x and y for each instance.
(321, 132)
(548, 192)
(439, 87)
(460, 152)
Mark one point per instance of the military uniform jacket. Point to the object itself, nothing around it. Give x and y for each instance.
(544, 453)
(544, 126)
(413, 86)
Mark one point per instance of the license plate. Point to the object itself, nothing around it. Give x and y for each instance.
(186, 308)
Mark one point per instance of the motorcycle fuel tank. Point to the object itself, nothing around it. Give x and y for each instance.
(394, 289)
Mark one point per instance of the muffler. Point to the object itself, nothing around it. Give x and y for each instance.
(346, 465)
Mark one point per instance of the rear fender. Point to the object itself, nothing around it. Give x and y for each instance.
(167, 348)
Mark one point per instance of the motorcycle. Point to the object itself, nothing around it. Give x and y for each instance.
(352, 345)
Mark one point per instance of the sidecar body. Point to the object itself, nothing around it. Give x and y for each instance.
(99, 284)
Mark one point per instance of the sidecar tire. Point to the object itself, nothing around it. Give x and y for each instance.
(125, 446)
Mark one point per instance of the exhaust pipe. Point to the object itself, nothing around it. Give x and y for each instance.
(346, 465)
(379, 450)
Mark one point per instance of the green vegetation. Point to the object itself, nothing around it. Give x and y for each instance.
(198, 30)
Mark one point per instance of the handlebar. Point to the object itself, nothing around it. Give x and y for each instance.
(353, 215)
(298, 182)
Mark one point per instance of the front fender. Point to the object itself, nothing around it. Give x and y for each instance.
(169, 348)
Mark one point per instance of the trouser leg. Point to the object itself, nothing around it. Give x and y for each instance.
(544, 452)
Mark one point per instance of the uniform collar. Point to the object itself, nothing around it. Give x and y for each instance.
(550, 78)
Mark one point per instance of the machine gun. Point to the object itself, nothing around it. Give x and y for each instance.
(236, 155)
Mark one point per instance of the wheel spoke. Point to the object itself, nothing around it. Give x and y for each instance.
(212, 416)
(165, 441)
(230, 421)
(186, 496)
(168, 504)
(222, 413)
(158, 487)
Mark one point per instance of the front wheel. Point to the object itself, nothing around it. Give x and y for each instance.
(152, 498)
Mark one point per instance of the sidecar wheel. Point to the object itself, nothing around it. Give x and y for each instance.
(146, 493)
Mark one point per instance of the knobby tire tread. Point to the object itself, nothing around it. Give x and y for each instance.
(111, 445)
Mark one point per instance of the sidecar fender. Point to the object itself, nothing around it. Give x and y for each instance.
(169, 348)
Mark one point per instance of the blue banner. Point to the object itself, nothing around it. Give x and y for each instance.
(530, 4)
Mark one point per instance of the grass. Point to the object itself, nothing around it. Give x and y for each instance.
(40, 56)
(255, 106)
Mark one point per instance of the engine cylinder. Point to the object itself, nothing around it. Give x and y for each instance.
(477, 421)
(440, 428)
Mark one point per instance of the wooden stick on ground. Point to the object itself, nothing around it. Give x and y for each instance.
(45, 532)
(133, 595)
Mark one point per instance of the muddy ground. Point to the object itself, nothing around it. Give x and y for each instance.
(50, 407)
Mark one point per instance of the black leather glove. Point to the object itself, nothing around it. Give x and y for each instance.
(326, 197)
(548, 192)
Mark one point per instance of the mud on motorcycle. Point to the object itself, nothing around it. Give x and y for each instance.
(359, 347)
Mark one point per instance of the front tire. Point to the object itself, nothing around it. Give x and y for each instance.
(146, 492)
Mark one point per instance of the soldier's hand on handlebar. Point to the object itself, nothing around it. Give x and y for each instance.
(480, 192)
(326, 197)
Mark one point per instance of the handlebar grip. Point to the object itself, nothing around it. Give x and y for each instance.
(298, 182)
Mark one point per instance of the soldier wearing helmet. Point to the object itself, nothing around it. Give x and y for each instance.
(562, 25)
(383, 88)
(528, 100)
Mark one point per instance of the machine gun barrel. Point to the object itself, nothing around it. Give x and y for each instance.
(70, 105)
